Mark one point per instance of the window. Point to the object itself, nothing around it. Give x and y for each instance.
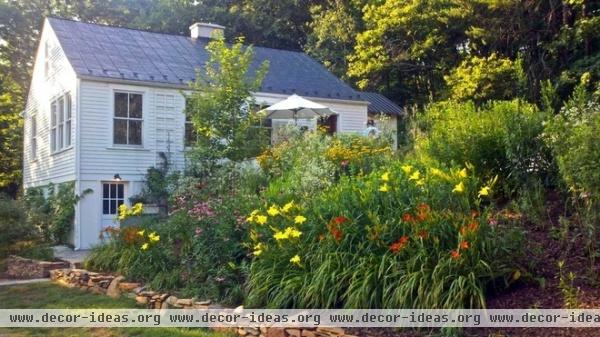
(47, 59)
(60, 123)
(33, 137)
(190, 132)
(127, 126)
(113, 196)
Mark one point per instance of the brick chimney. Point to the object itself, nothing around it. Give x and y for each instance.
(206, 30)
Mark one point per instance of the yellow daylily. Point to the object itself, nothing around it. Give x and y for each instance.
(437, 172)
(415, 176)
(258, 249)
(281, 235)
(299, 219)
(123, 212)
(292, 232)
(144, 246)
(261, 219)
(273, 211)
(137, 209)
(383, 188)
(420, 182)
(385, 176)
(295, 260)
(252, 216)
(141, 233)
(407, 169)
(287, 207)
(459, 188)
(485, 191)
(153, 237)
(463, 173)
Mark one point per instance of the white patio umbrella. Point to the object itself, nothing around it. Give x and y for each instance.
(297, 107)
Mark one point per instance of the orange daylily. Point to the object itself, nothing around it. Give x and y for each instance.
(398, 245)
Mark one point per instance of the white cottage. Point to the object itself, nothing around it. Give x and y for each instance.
(105, 102)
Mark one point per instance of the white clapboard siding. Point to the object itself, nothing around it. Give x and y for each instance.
(47, 167)
(163, 130)
(352, 114)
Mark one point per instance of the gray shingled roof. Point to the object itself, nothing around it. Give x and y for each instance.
(380, 104)
(127, 54)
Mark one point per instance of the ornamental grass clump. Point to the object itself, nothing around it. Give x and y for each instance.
(409, 236)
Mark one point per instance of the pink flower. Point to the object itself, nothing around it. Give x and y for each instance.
(493, 221)
(201, 210)
(198, 232)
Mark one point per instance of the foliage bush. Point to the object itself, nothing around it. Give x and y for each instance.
(486, 78)
(404, 236)
(13, 227)
(501, 138)
(19, 236)
(574, 136)
(51, 209)
(304, 164)
(198, 250)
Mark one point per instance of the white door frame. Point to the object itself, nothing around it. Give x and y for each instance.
(113, 194)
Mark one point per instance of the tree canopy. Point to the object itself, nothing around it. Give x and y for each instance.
(414, 51)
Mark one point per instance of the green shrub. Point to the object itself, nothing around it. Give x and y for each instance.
(486, 78)
(36, 251)
(574, 136)
(19, 236)
(501, 138)
(406, 237)
(305, 164)
(51, 209)
(198, 251)
(13, 227)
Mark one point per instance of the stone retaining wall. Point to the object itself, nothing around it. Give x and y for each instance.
(116, 286)
(22, 268)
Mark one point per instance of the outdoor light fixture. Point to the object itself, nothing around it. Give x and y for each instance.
(117, 177)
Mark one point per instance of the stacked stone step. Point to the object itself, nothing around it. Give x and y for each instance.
(22, 268)
(116, 286)
(292, 332)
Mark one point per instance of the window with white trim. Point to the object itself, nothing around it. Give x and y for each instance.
(60, 123)
(113, 196)
(34, 136)
(47, 58)
(190, 136)
(127, 121)
(190, 132)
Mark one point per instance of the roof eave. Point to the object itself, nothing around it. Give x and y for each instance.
(186, 87)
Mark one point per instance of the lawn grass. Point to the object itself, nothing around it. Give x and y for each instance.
(47, 295)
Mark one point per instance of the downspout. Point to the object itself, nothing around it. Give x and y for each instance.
(77, 159)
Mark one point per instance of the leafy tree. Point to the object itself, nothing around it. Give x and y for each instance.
(221, 104)
(485, 78)
(333, 31)
(407, 46)
(10, 135)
